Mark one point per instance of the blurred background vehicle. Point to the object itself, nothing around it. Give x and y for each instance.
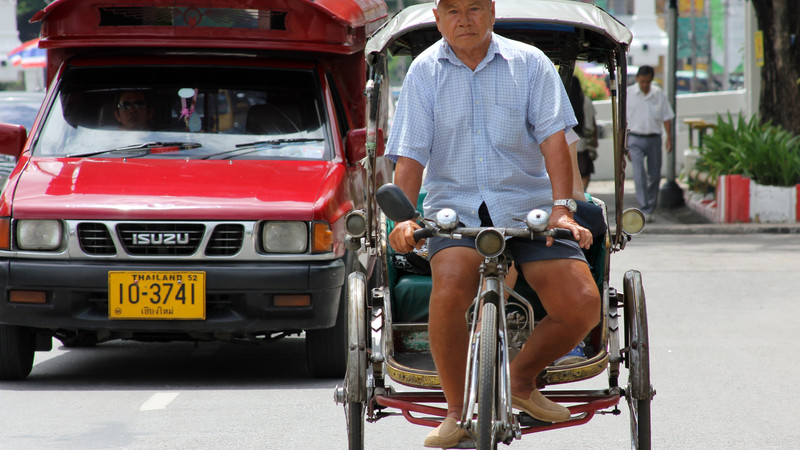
(19, 108)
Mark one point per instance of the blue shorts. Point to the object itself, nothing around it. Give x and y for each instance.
(522, 250)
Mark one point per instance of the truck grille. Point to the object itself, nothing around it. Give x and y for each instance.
(95, 239)
(160, 239)
(226, 240)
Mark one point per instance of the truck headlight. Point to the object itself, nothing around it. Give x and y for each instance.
(39, 234)
(284, 237)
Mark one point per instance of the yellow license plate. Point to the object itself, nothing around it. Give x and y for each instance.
(157, 295)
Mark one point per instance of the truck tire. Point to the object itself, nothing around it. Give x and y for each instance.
(17, 346)
(326, 349)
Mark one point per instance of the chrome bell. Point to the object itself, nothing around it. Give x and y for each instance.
(537, 220)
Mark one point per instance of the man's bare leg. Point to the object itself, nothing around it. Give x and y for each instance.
(455, 284)
(570, 296)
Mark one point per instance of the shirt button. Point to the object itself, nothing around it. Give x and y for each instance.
(480, 159)
(479, 131)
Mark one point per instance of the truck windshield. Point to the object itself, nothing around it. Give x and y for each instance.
(186, 112)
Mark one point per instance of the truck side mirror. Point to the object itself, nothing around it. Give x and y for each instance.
(12, 139)
(355, 144)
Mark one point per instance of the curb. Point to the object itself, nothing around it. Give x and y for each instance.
(714, 228)
(692, 218)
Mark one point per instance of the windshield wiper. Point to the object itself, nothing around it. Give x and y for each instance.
(256, 144)
(144, 146)
(276, 142)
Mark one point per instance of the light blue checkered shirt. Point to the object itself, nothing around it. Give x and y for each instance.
(478, 133)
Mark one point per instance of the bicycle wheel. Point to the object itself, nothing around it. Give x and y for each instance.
(355, 425)
(487, 383)
(639, 392)
(357, 364)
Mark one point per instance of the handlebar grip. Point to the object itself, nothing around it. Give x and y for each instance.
(423, 233)
(563, 233)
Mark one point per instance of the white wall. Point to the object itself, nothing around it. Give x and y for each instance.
(8, 39)
(705, 106)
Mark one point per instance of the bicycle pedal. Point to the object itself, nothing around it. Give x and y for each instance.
(526, 420)
(466, 444)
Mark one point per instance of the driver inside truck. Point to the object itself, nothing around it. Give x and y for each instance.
(132, 110)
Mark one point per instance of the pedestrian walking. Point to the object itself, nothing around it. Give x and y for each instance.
(648, 111)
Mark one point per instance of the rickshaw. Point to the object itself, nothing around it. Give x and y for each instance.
(387, 306)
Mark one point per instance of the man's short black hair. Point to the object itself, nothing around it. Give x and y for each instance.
(646, 71)
(119, 93)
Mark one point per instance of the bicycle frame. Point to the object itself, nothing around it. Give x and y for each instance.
(505, 427)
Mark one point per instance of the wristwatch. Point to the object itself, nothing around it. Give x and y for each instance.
(571, 204)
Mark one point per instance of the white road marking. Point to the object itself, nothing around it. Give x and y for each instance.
(158, 401)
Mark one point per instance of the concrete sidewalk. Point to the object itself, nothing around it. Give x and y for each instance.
(681, 220)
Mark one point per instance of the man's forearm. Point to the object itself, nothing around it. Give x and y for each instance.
(408, 177)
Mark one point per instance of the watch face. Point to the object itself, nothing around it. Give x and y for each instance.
(571, 204)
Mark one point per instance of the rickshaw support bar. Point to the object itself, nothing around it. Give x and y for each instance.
(588, 402)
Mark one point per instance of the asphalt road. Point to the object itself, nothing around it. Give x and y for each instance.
(723, 312)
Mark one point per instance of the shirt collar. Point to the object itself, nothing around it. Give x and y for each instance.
(639, 90)
(495, 48)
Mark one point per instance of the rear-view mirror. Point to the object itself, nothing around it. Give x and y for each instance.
(395, 204)
(356, 144)
(12, 139)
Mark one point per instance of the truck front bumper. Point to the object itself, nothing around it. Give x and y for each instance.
(239, 296)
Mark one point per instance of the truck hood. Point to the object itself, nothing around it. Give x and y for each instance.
(152, 189)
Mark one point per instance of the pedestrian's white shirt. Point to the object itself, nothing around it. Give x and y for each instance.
(647, 113)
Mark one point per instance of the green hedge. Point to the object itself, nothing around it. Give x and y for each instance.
(767, 154)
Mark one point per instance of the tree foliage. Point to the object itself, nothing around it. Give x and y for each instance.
(779, 20)
(25, 10)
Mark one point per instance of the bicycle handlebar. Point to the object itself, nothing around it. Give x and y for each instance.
(457, 233)
(424, 233)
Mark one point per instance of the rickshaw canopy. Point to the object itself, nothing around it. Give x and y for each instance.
(551, 25)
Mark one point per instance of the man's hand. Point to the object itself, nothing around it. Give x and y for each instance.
(402, 237)
(560, 218)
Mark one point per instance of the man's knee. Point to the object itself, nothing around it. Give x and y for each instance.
(588, 309)
(455, 276)
(577, 306)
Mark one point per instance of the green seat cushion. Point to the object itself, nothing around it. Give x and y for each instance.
(410, 292)
(411, 295)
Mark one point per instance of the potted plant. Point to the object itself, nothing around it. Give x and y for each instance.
(757, 168)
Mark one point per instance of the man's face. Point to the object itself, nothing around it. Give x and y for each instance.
(644, 82)
(132, 111)
(465, 24)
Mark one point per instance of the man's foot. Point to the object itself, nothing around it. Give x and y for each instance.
(446, 435)
(539, 407)
(576, 355)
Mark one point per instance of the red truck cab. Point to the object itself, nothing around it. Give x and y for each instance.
(187, 177)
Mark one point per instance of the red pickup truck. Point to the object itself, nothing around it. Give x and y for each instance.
(187, 177)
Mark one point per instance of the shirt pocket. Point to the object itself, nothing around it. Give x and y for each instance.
(507, 128)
